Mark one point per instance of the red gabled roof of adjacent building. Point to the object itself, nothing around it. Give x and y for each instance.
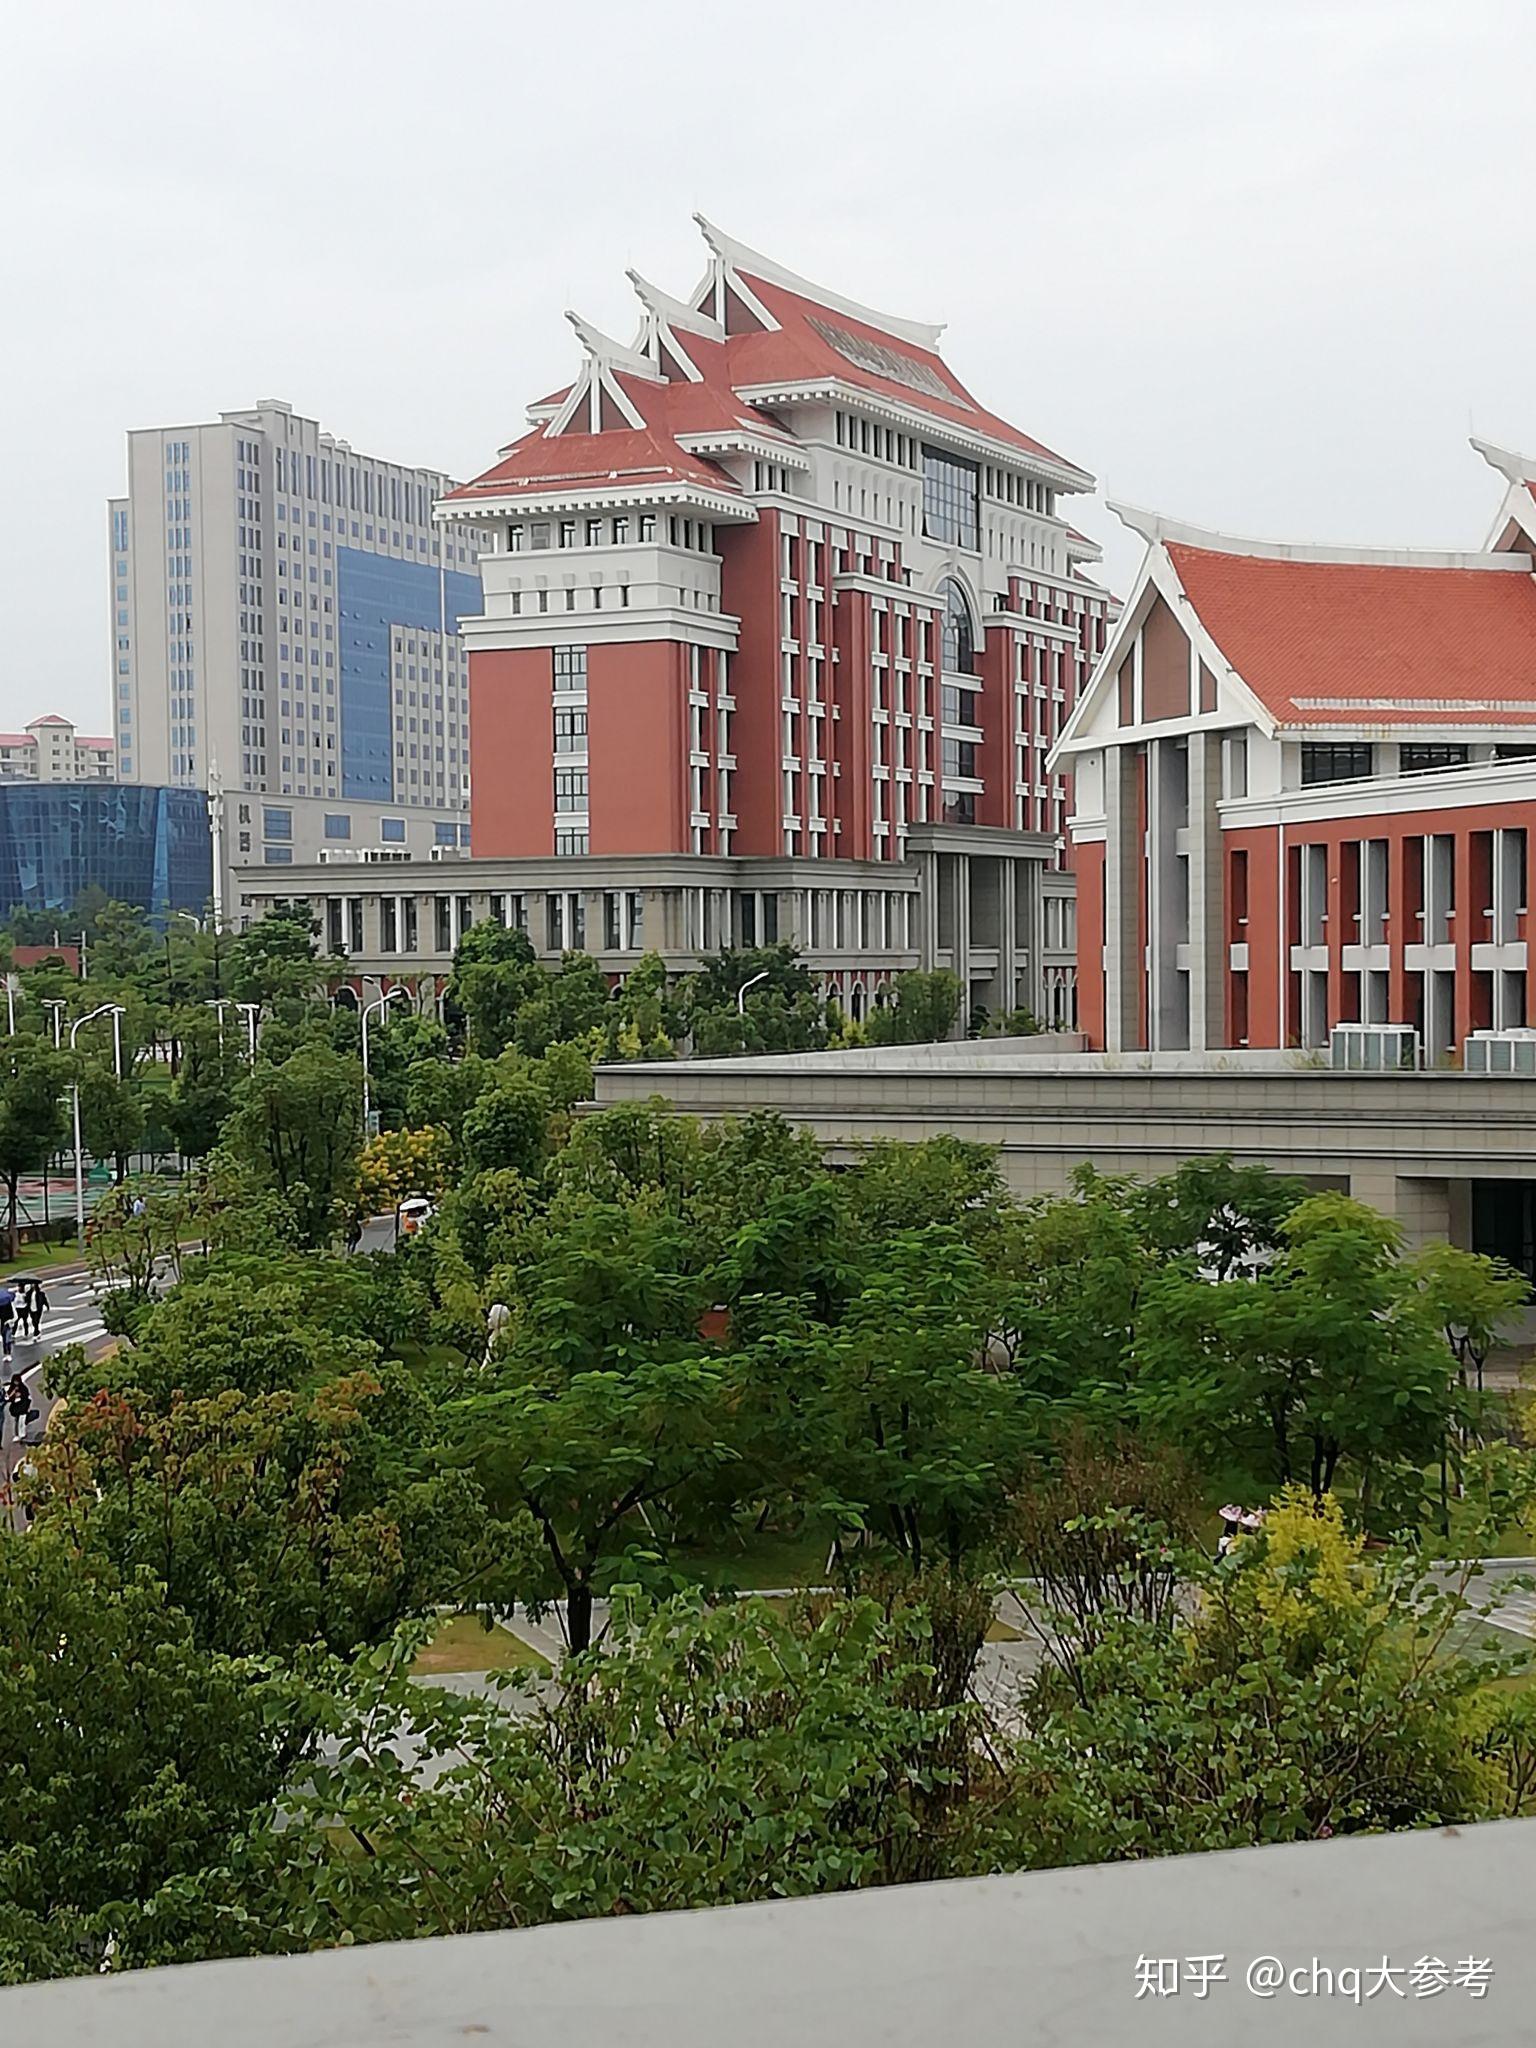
(1345, 643)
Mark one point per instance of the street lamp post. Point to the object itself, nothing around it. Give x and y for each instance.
(221, 1004)
(251, 1012)
(751, 982)
(58, 1005)
(114, 1010)
(380, 1003)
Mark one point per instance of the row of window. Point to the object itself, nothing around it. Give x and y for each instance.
(1353, 760)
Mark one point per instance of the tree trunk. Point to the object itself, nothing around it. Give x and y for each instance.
(11, 1244)
(578, 1616)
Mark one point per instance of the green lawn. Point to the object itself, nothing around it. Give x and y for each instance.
(774, 1557)
(463, 1643)
(32, 1256)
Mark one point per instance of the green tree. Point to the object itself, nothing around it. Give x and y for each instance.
(769, 1756)
(298, 1126)
(111, 1115)
(34, 1120)
(272, 1519)
(780, 1012)
(277, 961)
(135, 1757)
(209, 1071)
(566, 1007)
(916, 1441)
(507, 1126)
(495, 973)
(1300, 1692)
(605, 1418)
(922, 1009)
(1332, 1358)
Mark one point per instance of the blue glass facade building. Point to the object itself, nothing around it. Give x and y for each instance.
(145, 845)
(376, 594)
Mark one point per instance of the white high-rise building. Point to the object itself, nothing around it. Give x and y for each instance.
(285, 633)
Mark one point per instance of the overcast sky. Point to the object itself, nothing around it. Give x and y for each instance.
(1256, 266)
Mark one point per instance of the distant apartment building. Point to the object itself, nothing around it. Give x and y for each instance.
(1305, 794)
(52, 749)
(285, 632)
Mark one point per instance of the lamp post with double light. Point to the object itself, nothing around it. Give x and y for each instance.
(114, 1011)
(380, 1003)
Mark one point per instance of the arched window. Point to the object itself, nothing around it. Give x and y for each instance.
(959, 631)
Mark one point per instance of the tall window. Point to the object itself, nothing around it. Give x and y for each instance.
(951, 499)
(570, 668)
(958, 632)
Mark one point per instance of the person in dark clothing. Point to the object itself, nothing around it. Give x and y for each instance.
(19, 1401)
(34, 1306)
(7, 1319)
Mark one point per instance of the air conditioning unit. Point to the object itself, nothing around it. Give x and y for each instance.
(447, 853)
(373, 855)
(1373, 1048)
(329, 856)
(1500, 1052)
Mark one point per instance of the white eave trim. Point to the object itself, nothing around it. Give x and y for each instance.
(1158, 531)
(744, 442)
(598, 496)
(930, 426)
(1379, 796)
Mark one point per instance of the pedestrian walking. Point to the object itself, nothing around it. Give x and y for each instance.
(7, 1319)
(19, 1402)
(34, 1306)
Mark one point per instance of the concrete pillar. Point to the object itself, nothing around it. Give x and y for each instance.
(1008, 932)
(1207, 919)
(962, 953)
(1123, 966)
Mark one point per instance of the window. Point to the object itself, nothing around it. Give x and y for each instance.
(647, 526)
(570, 668)
(277, 856)
(391, 829)
(337, 825)
(276, 824)
(960, 758)
(958, 633)
(445, 835)
(951, 499)
(571, 844)
(570, 789)
(1335, 760)
(1419, 759)
(566, 921)
(570, 732)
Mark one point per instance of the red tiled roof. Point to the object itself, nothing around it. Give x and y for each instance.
(1331, 643)
(814, 342)
(541, 465)
(801, 350)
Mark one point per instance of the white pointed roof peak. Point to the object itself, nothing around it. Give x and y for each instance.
(737, 256)
(674, 312)
(1519, 469)
(611, 354)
